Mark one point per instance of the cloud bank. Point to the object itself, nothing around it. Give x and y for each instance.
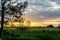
(41, 10)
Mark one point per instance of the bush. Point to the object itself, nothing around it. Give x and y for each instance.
(22, 28)
(50, 26)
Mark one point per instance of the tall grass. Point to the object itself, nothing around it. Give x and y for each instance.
(32, 34)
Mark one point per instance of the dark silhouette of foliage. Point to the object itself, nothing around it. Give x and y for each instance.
(11, 10)
(58, 26)
(23, 28)
(50, 26)
(28, 23)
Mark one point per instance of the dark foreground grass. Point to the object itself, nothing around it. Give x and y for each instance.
(32, 34)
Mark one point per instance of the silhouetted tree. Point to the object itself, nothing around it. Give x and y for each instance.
(2, 15)
(50, 26)
(58, 26)
(28, 23)
(9, 9)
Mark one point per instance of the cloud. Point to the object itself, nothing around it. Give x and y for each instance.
(43, 3)
(57, 1)
(49, 11)
(41, 10)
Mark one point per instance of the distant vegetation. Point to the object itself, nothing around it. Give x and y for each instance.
(51, 26)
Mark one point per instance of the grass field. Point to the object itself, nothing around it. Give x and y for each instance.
(31, 34)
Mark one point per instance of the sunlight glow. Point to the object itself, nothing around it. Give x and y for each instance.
(18, 24)
(37, 24)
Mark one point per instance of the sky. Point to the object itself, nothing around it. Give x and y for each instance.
(42, 12)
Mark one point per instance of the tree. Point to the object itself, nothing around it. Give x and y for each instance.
(9, 9)
(28, 23)
(58, 26)
(50, 26)
(2, 15)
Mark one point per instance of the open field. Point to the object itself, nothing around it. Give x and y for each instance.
(31, 33)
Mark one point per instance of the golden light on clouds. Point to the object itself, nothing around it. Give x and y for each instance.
(33, 24)
(44, 24)
(37, 24)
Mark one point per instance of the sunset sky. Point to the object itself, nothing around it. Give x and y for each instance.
(42, 12)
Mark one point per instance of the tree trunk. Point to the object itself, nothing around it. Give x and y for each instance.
(2, 19)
